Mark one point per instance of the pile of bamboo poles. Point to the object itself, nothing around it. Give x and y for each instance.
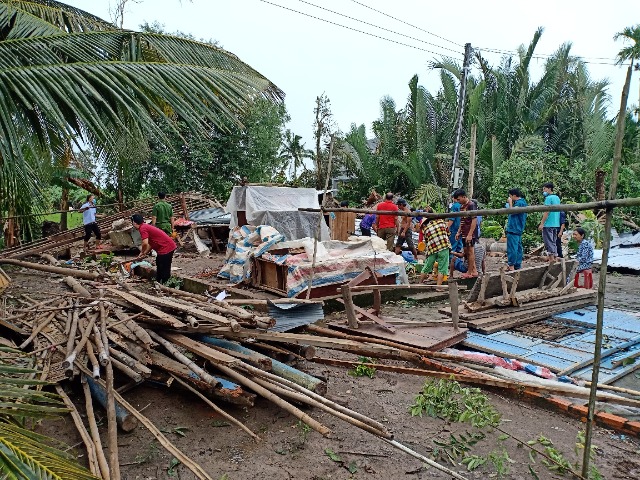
(114, 338)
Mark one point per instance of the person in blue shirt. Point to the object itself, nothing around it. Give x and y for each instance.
(584, 256)
(515, 228)
(367, 223)
(88, 210)
(564, 223)
(550, 223)
(453, 224)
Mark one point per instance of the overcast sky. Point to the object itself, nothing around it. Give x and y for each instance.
(306, 56)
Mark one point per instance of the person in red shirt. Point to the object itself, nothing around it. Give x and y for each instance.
(387, 225)
(155, 239)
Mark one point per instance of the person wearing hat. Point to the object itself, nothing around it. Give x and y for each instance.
(405, 234)
(387, 225)
(436, 238)
(155, 239)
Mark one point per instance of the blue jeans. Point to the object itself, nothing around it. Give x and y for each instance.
(514, 250)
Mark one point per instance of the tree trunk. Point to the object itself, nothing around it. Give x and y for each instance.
(64, 208)
(120, 192)
(10, 234)
(600, 190)
(64, 200)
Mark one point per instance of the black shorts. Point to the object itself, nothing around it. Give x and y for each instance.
(90, 228)
(469, 243)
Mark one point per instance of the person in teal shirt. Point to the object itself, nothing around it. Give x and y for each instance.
(550, 223)
(515, 228)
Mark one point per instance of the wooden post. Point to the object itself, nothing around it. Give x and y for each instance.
(472, 160)
(185, 211)
(348, 306)
(453, 301)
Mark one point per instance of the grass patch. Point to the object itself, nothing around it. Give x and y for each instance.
(74, 219)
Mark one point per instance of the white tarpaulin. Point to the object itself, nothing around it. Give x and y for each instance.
(278, 207)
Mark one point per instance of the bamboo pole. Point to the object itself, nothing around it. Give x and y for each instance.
(183, 359)
(602, 280)
(320, 220)
(318, 398)
(112, 425)
(260, 390)
(563, 207)
(46, 321)
(95, 365)
(218, 410)
(67, 364)
(424, 459)
(95, 434)
(51, 269)
(171, 448)
(92, 456)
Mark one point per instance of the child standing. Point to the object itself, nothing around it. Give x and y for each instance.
(584, 276)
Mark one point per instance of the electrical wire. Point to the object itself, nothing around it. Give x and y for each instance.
(353, 29)
(378, 26)
(545, 56)
(407, 23)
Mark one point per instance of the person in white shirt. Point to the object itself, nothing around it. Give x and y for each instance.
(88, 210)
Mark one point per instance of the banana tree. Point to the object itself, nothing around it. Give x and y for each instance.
(67, 76)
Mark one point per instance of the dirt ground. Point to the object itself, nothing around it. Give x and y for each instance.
(287, 450)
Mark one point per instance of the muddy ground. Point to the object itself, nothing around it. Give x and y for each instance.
(289, 451)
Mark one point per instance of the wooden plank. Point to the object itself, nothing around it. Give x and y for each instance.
(532, 317)
(162, 317)
(349, 307)
(365, 288)
(483, 288)
(529, 278)
(466, 315)
(368, 315)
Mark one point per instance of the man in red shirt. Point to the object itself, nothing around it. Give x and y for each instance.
(155, 239)
(387, 225)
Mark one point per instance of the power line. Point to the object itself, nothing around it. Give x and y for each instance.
(377, 26)
(545, 56)
(407, 23)
(351, 28)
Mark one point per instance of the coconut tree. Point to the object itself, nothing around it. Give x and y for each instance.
(67, 77)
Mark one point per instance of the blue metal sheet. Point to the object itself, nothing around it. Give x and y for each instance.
(549, 361)
(480, 342)
(513, 339)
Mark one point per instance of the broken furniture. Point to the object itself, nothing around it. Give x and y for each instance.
(509, 299)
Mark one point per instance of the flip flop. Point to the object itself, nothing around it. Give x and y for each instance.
(466, 276)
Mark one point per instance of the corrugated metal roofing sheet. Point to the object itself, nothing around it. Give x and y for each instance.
(292, 315)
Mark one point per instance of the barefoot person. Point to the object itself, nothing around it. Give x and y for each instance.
(468, 231)
(155, 239)
(550, 223)
(515, 229)
(88, 210)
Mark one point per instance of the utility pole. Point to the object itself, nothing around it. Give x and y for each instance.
(461, 101)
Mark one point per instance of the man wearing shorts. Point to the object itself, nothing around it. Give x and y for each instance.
(468, 231)
(406, 232)
(88, 210)
(436, 238)
(550, 223)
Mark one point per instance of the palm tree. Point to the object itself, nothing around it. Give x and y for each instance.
(294, 152)
(67, 76)
(23, 452)
(630, 53)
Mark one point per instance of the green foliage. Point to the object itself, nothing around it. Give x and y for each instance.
(24, 453)
(455, 448)
(362, 370)
(500, 461)
(491, 229)
(106, 259)
(448, 400)
(430, 195)
(174, 282)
